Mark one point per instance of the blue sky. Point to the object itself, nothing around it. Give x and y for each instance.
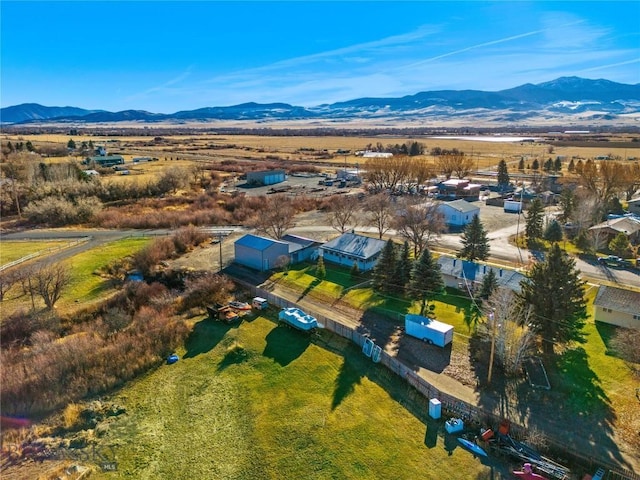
(167, 56)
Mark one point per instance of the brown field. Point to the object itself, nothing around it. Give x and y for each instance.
(183, 150)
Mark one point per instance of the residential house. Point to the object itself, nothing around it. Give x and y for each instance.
(634, 206)
(617, 306)
(455, 188)
(301, 249)
(467, 276)
(350, 248)
(628, 225)
(458, 213)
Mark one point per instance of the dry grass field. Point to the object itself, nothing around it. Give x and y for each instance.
(322, 151)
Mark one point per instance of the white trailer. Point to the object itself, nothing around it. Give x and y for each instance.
(428, 330)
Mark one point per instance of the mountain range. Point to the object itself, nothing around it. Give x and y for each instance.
(566, 99)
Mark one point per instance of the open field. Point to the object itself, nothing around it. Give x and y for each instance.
(10, 251)
(212, 147)
(262, 401)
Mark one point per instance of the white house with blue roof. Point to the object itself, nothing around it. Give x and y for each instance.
(350, 248)
(468, 276)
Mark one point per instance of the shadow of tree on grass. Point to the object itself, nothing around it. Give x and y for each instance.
(349, 376)
(206, 334)
(285, 344)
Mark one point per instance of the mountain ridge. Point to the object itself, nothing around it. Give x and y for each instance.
(573, 96)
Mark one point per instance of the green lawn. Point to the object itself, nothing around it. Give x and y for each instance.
(263, 402)
(338, 283)
(10, 251)
(86, 285)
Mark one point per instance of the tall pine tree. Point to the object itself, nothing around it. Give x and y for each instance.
(503, 175)
(535, 221)
(383, 271)
(426, 280)
(402, 273)
(489, 284)
(475, 245)
(555, 291)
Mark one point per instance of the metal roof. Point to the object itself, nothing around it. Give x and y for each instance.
(461, 205)
(302, 241)
(618, 299)
(475, 272)
(355, 245)
(257, 243)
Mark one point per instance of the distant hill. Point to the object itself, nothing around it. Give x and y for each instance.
(577, 99)
(34, 111)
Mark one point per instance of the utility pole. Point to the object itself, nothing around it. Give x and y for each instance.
(493, 345)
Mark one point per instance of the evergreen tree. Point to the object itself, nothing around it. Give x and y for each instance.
(426, 280)
(489, 284)
(557, 164)
(475, 245)
(402, 273)
(567, 204)
(556, 293)
(321, 270)
(548, 165)
(535, 219)
(503, 175)
(383, 271)
(10, 147)
(521, 164)
(582, 241)
(71, 144)
(572, 166)
(620, 245)
(553, 232)
(535, 165)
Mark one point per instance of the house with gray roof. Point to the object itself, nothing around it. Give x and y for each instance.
(350, 248)
(264, 253)
(468, 276)
(458, 213)
(617, 306)
(629, 225)
(634, 206)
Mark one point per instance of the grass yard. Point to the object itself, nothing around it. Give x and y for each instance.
(10, 251)
(263, 402)
(339, 284)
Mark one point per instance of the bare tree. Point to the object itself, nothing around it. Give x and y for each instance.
(49, 281)
(276, 217)
(625, 342)
(379, 212)
(603, 180)
(454, 161)
(8, 278)
(509, 328)
(283, 262)
(344, 213)
(631, 180)
(419, 223)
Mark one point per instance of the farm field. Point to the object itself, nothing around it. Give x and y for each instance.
(263, 401)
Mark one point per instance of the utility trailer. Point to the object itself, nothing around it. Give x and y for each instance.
(428, 330)
(224, 313)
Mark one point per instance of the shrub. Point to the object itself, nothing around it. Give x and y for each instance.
(150, 256)
(188, 237)
(206, 289)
